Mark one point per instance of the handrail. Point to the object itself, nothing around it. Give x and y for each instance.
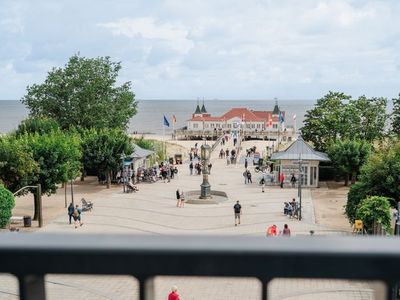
(30, 257)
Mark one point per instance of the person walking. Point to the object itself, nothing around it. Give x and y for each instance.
(245, 163)
(174, 293)
(182, 199)
(281, 179)
(237, 208)
(262, 182)
(77, 216)
(286, 230)
(249, 177)
(271, 231)
(245, 176)
(191, 168)
(70, 212)
(293, 180)
(209, 168)
(178, 198)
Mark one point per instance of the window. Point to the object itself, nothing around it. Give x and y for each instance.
(195, 125)
(253, 125)
(275, 126)
(258, 125)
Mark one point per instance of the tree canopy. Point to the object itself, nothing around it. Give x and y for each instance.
(83, 93)
(7, 203)
(40, 125)
(338, 116)
(375, 209)
(396, 116)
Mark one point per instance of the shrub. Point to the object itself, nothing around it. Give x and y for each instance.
(7, 203)
(357, 193)
(375, 208)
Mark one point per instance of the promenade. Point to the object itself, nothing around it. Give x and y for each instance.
(153, 210)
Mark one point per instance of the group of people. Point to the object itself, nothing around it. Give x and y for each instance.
(250, 151)
(273, 231)
(291, 208)
(74, 212)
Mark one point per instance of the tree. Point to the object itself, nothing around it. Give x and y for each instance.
(375, 209)
(58, 155)
(17, 165)
(367, 118)
(37, 125)
(83, 93)
(102, 150)
(326, 122)
(381, 172)
(396, 115)
(348, 156)
(7, 203)
(356, 194)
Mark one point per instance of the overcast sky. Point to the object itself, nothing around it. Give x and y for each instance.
(213, 49)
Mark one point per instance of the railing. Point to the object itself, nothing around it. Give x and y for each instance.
(31, 256)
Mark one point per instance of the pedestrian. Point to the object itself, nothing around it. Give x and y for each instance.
(271, 231)
(293, 180)
(245, 176)
(227, 160)
(191, 168)
(209, 168)
(178, 198)
(281, 179)
(237, 208)
(286, 230)
(249, 177)
(182, 199)
(174, 293)
(227, 152)
(70, 212)
(262, 182)
(77, 216)
(245, 163)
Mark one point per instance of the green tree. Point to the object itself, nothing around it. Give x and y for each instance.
(326, 122)
(7, 203)
(102, 150)
(395, 116)
(381, 172)
(58, 155)
(83, 93)
(356, 194)
(367, 118)
(375, 209)
(17, 165)
(40, 125)
(348, 156)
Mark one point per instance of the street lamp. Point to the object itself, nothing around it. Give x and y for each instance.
(300, 162)
(123, 170)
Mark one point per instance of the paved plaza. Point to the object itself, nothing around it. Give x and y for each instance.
(153, 211)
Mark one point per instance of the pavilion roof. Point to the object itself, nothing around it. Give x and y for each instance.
(300, 149)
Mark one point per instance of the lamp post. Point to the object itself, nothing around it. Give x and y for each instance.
(205, 186)
(123, 170)
(300, 162)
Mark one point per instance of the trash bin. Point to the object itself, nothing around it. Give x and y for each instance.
(27, 221)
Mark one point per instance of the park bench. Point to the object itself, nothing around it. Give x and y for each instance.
(16, 219)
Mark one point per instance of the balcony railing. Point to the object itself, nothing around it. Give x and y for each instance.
(31, 256)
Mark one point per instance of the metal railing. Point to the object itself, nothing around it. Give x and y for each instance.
(31, 256)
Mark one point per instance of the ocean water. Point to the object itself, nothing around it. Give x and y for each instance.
(149, 118)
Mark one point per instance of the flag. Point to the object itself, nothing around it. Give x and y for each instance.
(294, 117)
(173, 119)
(166, 123)
(281, 119)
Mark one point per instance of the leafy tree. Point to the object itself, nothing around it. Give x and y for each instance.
(356, 194)
(396, 116)
(39, 125)
(102, 150)
(367, 118)
(58, 155)
(348, 156)
(375, 209)
(326, 121)
(17, 165)
(83, 93)
(381, 172)
(7, 203)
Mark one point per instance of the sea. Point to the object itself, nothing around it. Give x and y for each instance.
(150, 115)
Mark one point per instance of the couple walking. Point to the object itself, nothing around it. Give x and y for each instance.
(75, 213)
(180, 198)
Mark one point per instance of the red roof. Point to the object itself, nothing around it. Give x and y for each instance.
(242, 113)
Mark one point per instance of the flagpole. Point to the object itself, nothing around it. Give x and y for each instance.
(164, 150)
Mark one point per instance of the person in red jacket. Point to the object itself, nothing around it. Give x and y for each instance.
(281, 179)
(173, 295)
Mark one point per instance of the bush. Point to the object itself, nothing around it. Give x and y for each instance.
(7, 203)
(357, 193)
(375, 208)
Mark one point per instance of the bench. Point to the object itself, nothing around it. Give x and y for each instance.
(16, 219)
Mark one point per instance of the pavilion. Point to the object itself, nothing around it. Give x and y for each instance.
(288, 162)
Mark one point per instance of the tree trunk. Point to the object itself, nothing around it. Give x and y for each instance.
(108, 179)
(353, 178)
(346, 179)
(83, 174)
(36, 207)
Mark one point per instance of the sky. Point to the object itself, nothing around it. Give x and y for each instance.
(253, 49)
